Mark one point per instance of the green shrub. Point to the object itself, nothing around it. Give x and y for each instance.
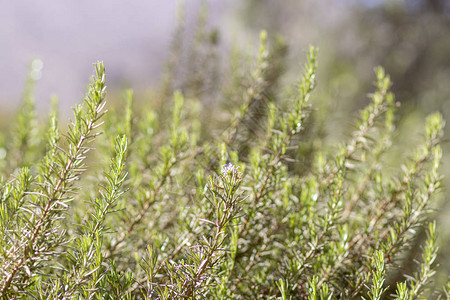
(173, 204)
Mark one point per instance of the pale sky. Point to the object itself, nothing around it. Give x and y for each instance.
(131, 37)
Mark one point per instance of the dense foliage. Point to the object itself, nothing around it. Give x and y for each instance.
(176, 201)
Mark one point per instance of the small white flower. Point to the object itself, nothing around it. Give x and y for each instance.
(229, 169)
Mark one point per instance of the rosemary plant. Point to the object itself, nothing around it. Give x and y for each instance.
(172, 206)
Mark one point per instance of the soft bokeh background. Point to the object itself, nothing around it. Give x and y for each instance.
(132, 38)
(410, 38)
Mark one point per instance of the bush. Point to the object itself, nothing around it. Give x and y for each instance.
(168, 208)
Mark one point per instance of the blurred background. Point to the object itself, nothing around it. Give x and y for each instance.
(410, 38)
(133, 40)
